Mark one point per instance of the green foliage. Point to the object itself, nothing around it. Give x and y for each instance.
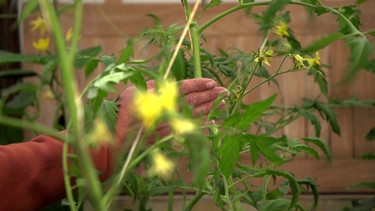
(213, 157)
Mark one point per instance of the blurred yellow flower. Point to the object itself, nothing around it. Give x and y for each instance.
(299, 61)
(100, 134)
(314, 61)
(168, 95)
(148, 107)
(281, 29)
(42, 44)
(264, 56)
(161, 165)
(48, 95)
(151, 105)
(182, 126)
(38, 24)
(307, 62)
(69, 34)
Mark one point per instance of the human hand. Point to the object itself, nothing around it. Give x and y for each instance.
(200, 93)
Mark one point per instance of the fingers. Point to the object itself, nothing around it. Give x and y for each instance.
(198, 98)
(206, 108)
(196, 85)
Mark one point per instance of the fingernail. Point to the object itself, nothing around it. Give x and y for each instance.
(210, 84)
(225, 92)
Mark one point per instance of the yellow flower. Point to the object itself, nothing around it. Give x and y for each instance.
(69, 34)
(168, 95)
(306, 62)
(48, 95)
(42, 44)
(161, 165)
(148, 107)
(264, 56)
(314, 61)
(281, 29)
(299, 61)
(100, 134)
(38, 24)
(182, 126)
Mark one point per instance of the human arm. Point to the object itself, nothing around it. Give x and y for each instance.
(31, 174)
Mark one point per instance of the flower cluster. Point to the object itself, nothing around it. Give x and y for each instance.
(150, 106)
(43, 42)
(306, 62)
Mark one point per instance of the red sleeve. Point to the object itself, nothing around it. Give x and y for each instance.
(31, 173)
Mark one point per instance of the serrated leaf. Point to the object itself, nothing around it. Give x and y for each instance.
(179, 67)
(360, 50)
(279, 204)
(108, 111)
(7, 57)
(199, 157)
(86, 55)
(321, 144)
(363, 185)
(307, 149)
(213, 3)
(29, 8)
(91, 66)
(229, 154)
(370, 136)
(127, 52)
(252, 113)
(17, 73)
(329, 115)
(270, 14)
(321, 43)
(106, 82)
(293, 183)
(313, 120)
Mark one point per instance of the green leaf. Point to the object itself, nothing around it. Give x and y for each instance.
(311, 183)
(213, 3)
(86, 55)
(370, 136)
(9, 57)
(321, 144)
(320, 78)
(321, 43)
(229, 153)
(293, 183)
(252, 113)
(267, 22)
(17, 73)
(360, 50)
(351, 102)
(368, 156)
(106, 82)
(10, 134)
(309, 150)
(29, 8)
(199, 156)
(329, 115)
(108, 111)
(179, 68)
(127, 52)
(91, 66)
(313, 120)
(363, 185)
(279, 204)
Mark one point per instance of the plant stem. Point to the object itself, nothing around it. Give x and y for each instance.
(251, 4)
(68, 185)
(194, 200)
(74, 105)
(196, 49)
(19, 123)
(178, 46)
